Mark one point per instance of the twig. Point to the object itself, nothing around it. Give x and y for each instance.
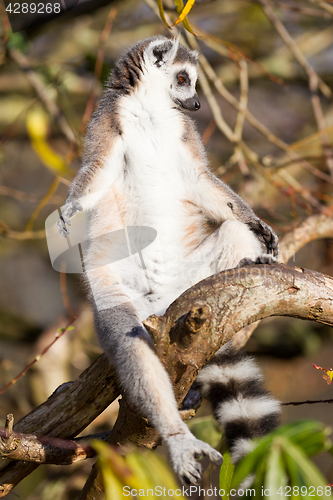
(18, 195)
(64, 181)
(98, 66)
(208, 132)
(23, 62)
(304, 10)
(41, 449)
(20, 235)
(297, 53)
(324, 5)
(300, 189)
(215, 108)
(6, 24)
(9, 426)
(240, 119)
(43, 202)
(320, 119)
(66, 413)
(243, 100)
(308, 402)
(37, 358)
(304, 160)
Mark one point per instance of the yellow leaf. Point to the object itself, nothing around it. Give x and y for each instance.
(140, 471)
(185, 11)
(328, 376)
(37, 126)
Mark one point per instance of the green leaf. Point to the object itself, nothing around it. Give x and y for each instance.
(179, 5)
(162, 13)
(259, 477)
(281, 458)
(293, 471)
(18, 41)
(250, 463)
(226, 473)
(303, 471)
(275, 471)
(310, 435)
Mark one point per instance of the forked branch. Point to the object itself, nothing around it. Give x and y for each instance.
(192, 329)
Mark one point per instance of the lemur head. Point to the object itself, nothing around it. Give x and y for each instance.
(163, 65)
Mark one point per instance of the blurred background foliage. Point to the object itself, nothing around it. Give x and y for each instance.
(267, 123)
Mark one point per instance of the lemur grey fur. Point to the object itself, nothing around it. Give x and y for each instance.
(145, 166)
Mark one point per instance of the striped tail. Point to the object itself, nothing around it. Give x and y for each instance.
(233, 383)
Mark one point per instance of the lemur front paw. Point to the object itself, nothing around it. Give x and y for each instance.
(184, 449)
(265, 234)
(68, 211)
(262, 259)
(192, 399)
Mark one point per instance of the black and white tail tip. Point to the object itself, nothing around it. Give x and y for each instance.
(233, 383)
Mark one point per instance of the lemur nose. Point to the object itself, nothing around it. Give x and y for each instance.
(197, 105)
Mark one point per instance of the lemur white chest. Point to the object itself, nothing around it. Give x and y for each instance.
(154, 157)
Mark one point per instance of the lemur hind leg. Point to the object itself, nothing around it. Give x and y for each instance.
(147, 385)
(230, 244)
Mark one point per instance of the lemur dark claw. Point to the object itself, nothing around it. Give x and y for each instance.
(68, 210)
(265, 234)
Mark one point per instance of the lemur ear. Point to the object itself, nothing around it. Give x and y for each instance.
(163, 52)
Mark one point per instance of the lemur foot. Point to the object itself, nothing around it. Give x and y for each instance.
(265, 234)
(192, 399)
(262, 259)
(184, 449)
(68, 211)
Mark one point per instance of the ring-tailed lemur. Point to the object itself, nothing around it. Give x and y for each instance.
(145, 166)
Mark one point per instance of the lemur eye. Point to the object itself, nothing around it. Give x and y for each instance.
(183, 78)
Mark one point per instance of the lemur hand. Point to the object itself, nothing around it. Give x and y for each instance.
(68, 211)
(184, 449)
(266, 235)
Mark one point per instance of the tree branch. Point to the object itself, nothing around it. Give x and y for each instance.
(313, 228)
(42, 449)
(192, 329)
(64, 414)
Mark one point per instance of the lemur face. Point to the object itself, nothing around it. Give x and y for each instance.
(182, 90)
(175, 68)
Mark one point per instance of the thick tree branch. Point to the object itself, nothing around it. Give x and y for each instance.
(42, 449)
(189, 333)
(205, 317)
(313, 228)
(64, 414)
